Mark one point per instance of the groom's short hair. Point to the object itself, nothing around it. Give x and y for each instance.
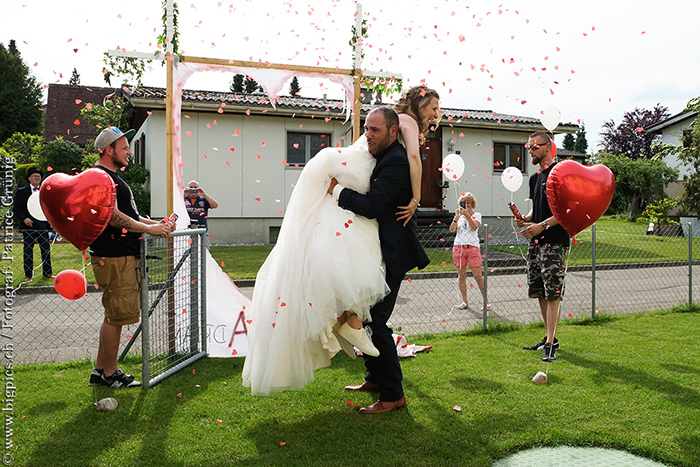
(390, 116)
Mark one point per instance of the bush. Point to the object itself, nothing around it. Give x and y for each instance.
(61, 156)
(656, 212)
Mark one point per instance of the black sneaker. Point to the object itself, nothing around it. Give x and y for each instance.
(548, 353)
(96, 378)
(541, 344)
(120, 380)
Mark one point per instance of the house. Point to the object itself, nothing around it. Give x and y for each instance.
(248, 155)
(63, 105)
(672, 130)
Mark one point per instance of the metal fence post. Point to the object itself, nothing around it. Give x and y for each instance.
(485, 275)
(690, 264)
(195, 258)
(203, 249)
(145, 351)
(593, 270)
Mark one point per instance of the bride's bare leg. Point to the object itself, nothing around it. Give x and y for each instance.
(342, 318)
(353, 321)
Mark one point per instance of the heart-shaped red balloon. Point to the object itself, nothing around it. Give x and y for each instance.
(579, 194)
(78, 207)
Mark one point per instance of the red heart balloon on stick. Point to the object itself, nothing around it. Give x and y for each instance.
(579, 194)
(78, 207)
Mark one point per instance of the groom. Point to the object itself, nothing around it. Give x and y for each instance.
(390, 187)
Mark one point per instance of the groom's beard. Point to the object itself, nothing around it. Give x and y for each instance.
(381, 145)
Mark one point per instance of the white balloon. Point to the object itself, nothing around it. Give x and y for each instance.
(512, 179)
(34, 207)
(550, 117)
(452, 167)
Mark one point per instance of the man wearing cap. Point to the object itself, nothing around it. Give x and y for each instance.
(33, 230)
(115, 261)
(198, 203)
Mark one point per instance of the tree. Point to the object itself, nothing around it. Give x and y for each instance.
(294, 88)
(20, 95)
(629, 137)
(242, 83)
(115, 112)
(581, 144)
(61, 156)
(23, 147)
(569, 142)
(689, 155)
(75, 78)
(237, 84)
(251, 85)
(637, 181)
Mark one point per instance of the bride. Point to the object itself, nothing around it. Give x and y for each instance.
(316, 287)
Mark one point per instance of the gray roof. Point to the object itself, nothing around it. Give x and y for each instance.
(146, 96)
(679, 117)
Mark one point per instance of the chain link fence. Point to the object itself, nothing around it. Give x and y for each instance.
(611, 269)
(615, 269)
(173, 303)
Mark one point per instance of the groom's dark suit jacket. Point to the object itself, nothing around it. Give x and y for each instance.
(390, 187)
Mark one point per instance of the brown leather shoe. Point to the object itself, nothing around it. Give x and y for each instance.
(384, 406)
(364, 387)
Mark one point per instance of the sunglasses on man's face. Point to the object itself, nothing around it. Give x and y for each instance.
(535, 146)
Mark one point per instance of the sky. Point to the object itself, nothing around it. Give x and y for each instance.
(593, 60)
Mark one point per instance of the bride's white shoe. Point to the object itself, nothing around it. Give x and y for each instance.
(359, 338)
(344, 343)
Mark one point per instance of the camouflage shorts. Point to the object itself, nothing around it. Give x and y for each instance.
(545, 271)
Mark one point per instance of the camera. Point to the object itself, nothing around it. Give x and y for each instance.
(463, 204)
(193, 191)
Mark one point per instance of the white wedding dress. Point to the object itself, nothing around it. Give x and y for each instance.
(326, 260)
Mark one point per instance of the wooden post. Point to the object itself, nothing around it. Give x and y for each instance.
(356, 106)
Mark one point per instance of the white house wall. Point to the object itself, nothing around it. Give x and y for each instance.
(672, 135)
(240, 161)
(479, 178)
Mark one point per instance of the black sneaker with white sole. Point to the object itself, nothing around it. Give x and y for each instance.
(548, 353)
(120, 380)
(541, 344)
(96, 378)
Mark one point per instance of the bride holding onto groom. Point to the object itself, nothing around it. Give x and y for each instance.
(346, 242)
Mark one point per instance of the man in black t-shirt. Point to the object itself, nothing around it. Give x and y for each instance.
(548, 244)
(114, 256)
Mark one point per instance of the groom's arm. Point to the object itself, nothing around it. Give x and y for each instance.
(391, 179)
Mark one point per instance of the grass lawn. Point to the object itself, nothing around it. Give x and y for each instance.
(628, 382)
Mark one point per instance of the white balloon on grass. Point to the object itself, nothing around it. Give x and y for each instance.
(550, 117)
(34, 207)
(512, 179)
(452, 167)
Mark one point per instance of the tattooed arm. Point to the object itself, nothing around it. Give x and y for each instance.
(126, 223)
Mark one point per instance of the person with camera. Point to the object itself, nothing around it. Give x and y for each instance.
(466, 251)
(198, 203)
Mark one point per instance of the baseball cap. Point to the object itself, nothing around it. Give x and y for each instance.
(110, 135)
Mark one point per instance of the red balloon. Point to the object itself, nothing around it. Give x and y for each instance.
(579, 194)
(553, 150)
(78, 207)
(71, 284)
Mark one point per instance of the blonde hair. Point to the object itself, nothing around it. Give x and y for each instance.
(412, 103)
(469, 198)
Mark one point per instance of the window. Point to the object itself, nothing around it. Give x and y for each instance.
(301, 147)
(140, 150)
(508, 155)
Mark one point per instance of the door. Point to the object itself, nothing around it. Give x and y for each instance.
(431, 157)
